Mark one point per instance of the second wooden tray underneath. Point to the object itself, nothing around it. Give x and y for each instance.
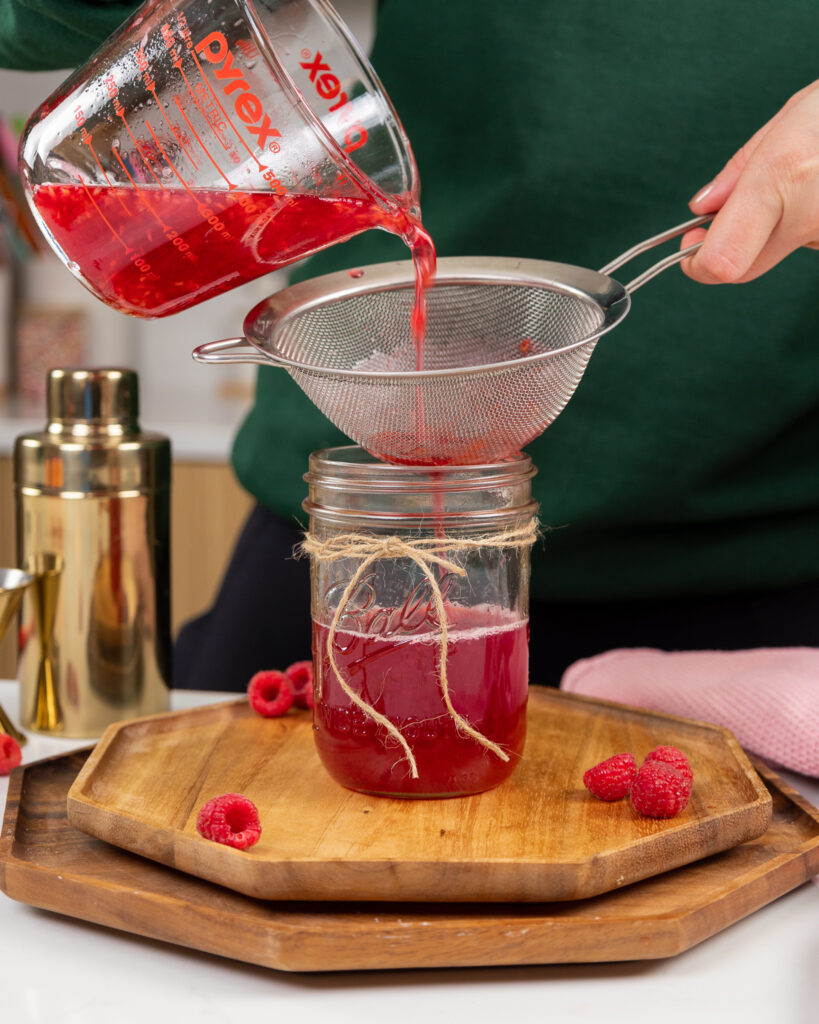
(47, 863)
(539, 836)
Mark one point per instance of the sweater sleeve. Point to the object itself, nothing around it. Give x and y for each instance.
(38, 35)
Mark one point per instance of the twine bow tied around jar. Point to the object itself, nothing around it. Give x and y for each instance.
(429, 554)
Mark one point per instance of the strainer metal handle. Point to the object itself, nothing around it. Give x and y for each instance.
(650, 243)
(230, 350)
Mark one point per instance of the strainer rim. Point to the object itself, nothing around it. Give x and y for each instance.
(610, 297)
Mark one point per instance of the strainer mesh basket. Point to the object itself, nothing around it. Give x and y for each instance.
(506, 344)
(500, 362)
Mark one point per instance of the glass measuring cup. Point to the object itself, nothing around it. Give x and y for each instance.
(211, 141)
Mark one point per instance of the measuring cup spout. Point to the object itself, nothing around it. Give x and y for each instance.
(650, 243)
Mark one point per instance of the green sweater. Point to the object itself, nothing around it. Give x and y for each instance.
(688, 460)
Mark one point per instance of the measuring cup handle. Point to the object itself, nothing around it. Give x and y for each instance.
(231, 350)
(650, 243)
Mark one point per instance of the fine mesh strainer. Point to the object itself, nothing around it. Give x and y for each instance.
(507, 342)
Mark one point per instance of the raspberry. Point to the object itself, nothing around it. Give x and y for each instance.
(659, 791)
(611, 779)
(230, 819)
(676, 758)
(270, 693)
(10, 753)
(300, 676)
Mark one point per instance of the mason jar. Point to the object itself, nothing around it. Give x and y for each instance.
(420, 592)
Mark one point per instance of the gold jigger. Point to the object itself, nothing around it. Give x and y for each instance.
(46, 569)
(12, 584)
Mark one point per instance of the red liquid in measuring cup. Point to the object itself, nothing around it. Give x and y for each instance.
(153, 251)
(487, 670)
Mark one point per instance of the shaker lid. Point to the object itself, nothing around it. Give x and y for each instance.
(82, 400)
(92, 443)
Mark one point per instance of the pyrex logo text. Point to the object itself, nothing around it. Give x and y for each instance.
(214, 49)
(328, 87)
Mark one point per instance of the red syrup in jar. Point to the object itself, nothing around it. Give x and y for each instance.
(152, 251)
(398, 675)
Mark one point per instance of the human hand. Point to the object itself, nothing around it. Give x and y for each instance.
(767, 196)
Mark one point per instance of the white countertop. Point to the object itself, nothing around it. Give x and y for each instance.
(762, 970)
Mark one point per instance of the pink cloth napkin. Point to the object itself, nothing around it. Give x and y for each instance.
(768, 698)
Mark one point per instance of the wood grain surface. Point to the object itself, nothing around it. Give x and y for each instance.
(47, 863)
(538, 836)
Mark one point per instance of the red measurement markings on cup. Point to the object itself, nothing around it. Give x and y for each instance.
(182, 247)
(88, 191)
(141, 193)
(175, 54)
(138, 191)
(206, 214)
(130, 251)
(119, 110)
(85, 135)
(176, 240)
(150, 85)
(176, 60)
(113, 94)
(177, 134)
(217, 126)
(219, 170)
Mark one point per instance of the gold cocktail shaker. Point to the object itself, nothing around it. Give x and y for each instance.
(93, 529)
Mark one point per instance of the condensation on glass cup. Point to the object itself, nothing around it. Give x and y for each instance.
(386, 543)
(208, 142)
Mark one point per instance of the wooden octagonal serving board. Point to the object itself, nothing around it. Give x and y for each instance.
(47, 863)
(538, 836)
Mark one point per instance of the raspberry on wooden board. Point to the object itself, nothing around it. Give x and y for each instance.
(230, 819)
(612, 778)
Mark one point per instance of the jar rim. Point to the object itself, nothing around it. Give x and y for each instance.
(348, 485)
(349, 464)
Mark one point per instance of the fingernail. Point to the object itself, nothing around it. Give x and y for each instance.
(703, 192)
